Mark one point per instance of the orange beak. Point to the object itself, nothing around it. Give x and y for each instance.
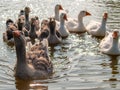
(115, 34)
(87, 13)
(65, 17)
(60, 7)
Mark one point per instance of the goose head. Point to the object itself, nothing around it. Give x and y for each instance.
(115, 34)
(22, 12)
(27, 10)
(21, 22)
(83, 13)
(105, 16)
(57, 8)
(9, 22)
(63, 17)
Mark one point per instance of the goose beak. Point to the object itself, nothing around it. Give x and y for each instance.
(87, 13)
(65, 17)
(60, 7)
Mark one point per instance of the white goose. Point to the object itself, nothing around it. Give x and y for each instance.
(96, 28)
(57, 8)
(62, 29)
(77, 27)
(110, 44)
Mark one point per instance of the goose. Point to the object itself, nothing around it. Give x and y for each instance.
(8, 35)
(96, 28)
(62, 29)
(77, 27)
(54, 35)
(57, 8)
(34, 64)
(48, 30)
(21, 23)
(32, 32)
(110, 44)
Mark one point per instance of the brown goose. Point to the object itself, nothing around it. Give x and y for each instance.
(34, 64)
(49, 31)
(8, 35)
(21, 23)
(54, 37)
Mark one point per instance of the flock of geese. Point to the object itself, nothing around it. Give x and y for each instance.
(36, 63)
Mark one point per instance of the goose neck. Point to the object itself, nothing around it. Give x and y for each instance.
(26, 17)
(52, 30)
(57, 15)
(115, 43)
(103, 23)
(62, 22)
(21, 54)
(33, 28)
(80, 21)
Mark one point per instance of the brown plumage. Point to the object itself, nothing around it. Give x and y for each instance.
(35, 64)
(8, 35)
(48, 30)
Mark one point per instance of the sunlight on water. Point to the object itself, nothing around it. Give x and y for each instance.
(78, 63)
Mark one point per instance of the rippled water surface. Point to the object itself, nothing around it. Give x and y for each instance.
(78, 63)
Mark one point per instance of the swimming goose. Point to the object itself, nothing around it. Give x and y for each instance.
(35, 64)
(57, 8)
(96, 28)
(8, 35)
(54, 36)
(48, 30)
(77, 27)
(62, 29)
(110, 44)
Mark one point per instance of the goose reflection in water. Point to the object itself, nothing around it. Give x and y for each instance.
(28, 85)
(114, 66)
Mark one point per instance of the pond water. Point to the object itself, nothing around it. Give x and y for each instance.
(78, 63)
